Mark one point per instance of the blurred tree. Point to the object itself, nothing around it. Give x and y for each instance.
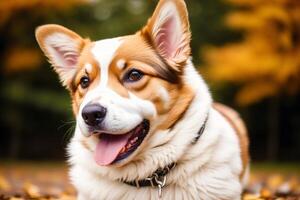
(266, 63)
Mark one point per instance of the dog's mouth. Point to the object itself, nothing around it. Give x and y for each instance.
(114, 148)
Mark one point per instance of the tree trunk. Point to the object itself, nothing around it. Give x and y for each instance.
(273, 129)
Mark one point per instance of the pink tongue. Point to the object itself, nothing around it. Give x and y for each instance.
(109, 147)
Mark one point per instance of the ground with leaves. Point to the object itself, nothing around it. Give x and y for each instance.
(50, 181)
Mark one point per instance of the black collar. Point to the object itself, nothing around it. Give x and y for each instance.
(158, 178)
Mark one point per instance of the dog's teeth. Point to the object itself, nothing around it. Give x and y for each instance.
(134, 140)
(123, 150)
(128, 146)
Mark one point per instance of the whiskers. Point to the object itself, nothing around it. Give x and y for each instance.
(70, 130)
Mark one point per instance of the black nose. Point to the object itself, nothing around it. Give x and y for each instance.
(93, 114)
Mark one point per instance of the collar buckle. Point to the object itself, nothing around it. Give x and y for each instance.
(160, 182)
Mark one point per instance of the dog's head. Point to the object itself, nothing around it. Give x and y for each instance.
(124, 89)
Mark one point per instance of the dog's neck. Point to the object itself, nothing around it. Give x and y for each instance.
(158, 178)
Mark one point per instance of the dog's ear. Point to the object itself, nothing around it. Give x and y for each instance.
(169, 32)
(62, 47)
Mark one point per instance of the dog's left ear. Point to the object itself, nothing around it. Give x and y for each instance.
(169, 32)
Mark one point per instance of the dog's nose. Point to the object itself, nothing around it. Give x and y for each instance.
(93, 114)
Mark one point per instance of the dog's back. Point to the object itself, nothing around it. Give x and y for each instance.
(239, 126)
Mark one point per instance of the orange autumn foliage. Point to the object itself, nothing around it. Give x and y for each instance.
(41, 181)
(267, 61)
(18, 59)
(20, 53)
(8, 8)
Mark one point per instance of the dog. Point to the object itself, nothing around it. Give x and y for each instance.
(146, 124)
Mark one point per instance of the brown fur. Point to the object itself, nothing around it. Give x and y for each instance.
(179, 105)
(135, 48)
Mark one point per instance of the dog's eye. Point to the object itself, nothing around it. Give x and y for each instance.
(85, 82)
(133, 76)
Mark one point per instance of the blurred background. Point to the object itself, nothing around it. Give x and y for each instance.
(247, 50)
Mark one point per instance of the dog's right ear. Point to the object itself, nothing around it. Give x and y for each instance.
(168, 30)
(62, 47)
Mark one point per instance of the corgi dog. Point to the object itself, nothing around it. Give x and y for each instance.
(146, 125)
